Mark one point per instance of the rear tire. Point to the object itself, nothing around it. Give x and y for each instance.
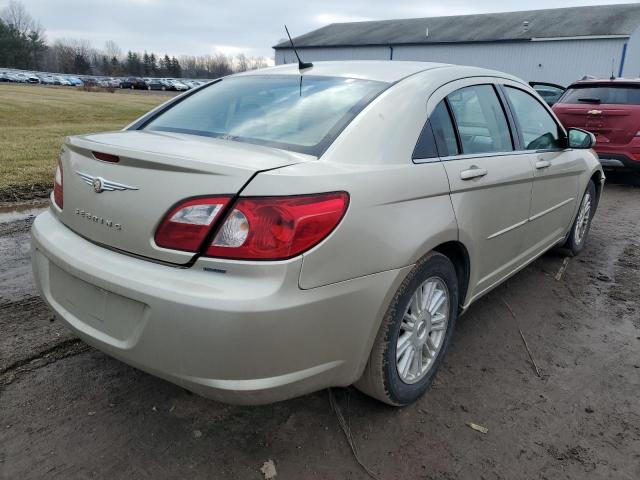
(582, 223)
(392, 375)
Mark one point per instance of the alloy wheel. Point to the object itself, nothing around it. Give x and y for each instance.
(582, 222)
(422, 331)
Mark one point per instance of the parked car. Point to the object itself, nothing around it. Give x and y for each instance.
(27, 78)
(60, 80)
(134, 83)
(610, 109)
(75, 81)
(157, 84)
(550, 92)
(46, 79)
(274, 234)
(175, 85)
(192, 83)
(7, 77)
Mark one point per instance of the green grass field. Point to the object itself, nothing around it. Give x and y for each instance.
(34, 121)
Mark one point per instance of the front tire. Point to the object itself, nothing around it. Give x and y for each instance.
(582, 223)
(414, 334)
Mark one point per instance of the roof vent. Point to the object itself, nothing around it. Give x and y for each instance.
(525, 25)
(426, 32)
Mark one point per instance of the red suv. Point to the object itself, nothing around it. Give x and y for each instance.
(610, 109)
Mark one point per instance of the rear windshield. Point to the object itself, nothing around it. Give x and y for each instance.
(299, 113)
(616, 94)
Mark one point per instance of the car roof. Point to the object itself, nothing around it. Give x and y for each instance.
(607, 81)
(379, 70)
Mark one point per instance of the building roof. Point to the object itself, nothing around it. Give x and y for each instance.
(591, 21)
(378, 70)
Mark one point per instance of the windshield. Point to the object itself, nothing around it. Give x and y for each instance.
(299, 113)
(609, 94)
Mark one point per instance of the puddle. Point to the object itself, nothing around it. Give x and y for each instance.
(13, 213)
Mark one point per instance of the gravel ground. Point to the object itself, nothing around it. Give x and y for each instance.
(68, 411)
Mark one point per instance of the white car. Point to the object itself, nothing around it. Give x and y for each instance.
(282, 231)
(177, 85)
(63, 81)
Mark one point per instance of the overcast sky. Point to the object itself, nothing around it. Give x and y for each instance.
(198, 27)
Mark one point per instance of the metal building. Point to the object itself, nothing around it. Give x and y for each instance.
(554, 45)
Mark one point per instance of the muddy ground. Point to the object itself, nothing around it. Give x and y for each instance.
(68, 411)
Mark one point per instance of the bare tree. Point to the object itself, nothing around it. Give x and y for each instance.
(73, 55)
(16, 15)
(111, 50)
(242, 63)
(257, 62)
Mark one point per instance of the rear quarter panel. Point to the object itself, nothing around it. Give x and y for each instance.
(398, 210)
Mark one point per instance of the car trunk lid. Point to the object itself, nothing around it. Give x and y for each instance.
(154, 171)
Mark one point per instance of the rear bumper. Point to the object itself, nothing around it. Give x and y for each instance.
(238, 337)
(617, 160)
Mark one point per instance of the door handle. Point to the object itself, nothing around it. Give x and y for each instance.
(473, 172)
(540, 164)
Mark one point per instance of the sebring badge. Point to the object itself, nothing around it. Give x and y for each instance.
(100, 184)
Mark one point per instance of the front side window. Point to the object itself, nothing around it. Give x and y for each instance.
(291, 112)
(480, 120)
(539, 130)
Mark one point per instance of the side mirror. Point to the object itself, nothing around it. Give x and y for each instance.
(582, 139)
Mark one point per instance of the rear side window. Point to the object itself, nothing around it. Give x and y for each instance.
(479, 117)
(538, 128)
(438, 137)
(616, 94)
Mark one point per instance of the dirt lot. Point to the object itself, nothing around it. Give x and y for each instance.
(68, 411)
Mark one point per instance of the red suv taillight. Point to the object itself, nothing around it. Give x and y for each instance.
(58, 196)
(276, 228)
(186, 225)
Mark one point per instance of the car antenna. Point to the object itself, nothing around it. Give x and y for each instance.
(613, 77)
(301, 65)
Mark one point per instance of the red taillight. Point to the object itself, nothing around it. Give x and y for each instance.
(58, 196)
(106, 157)
(186, 226)
(276, 228)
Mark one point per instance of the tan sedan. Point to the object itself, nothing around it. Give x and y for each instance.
(280, 231)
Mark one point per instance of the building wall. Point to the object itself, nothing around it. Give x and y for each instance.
(558, 61)
(631, 67)
(324, 54)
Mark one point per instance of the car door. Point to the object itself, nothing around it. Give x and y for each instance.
(556, 169)
(490, 183)
(550, 92)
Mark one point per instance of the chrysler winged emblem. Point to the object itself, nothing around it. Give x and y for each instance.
(100, 184)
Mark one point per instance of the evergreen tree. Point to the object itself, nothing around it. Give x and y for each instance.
(154, 64)
(115, 66)
(176, 70)
(105, 66)
(81, 64)
(166, 70)
(146, 64)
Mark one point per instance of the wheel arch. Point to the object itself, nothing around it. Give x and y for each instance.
(597, 178)
(459, 256)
